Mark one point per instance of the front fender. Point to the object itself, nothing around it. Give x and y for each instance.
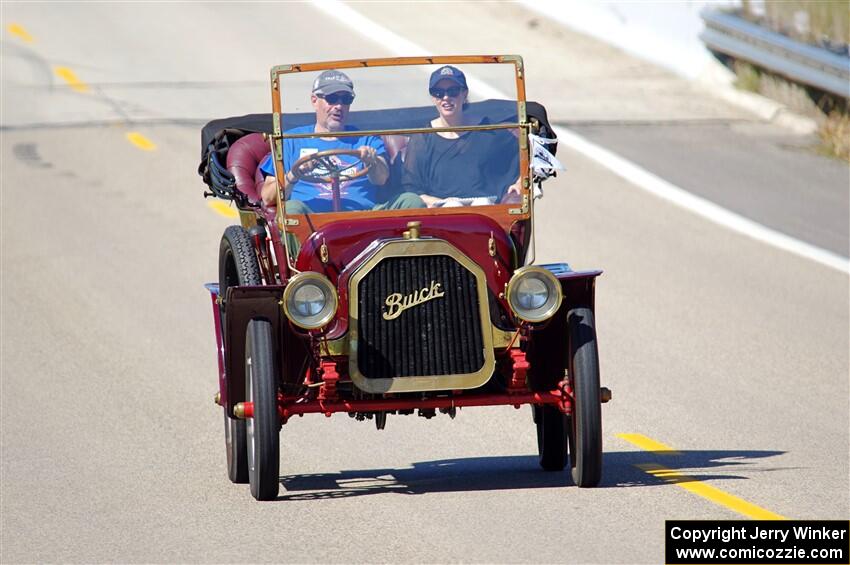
(547, 350)
(243, 304)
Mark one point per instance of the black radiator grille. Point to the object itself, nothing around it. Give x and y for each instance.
(439, 337)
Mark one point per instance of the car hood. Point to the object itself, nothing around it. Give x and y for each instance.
(345, 245)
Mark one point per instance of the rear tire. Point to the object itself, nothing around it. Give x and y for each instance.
(235, 445)
(586, 421)
(552, 435)
(237, 266)
(263, 430)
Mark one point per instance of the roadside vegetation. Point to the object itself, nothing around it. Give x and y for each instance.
(835, 135)
(825, 24)
(829, 112)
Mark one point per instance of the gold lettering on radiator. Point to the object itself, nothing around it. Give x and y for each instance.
(396, 303)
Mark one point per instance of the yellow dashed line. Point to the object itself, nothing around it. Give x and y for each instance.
(18, 31)
(649, 444)
(708, 492)
(140, 141)
(693, 485)
(223, 209)
(70, 77)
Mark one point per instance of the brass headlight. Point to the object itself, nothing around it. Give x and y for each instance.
(310, 300)
(534, 294)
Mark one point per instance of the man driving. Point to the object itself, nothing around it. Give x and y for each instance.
(331, 97)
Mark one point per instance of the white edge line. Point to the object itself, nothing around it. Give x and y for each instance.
(624, 168)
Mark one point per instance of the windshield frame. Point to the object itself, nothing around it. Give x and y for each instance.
(302, 225)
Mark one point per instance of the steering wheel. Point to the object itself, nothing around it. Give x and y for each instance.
(334, 172)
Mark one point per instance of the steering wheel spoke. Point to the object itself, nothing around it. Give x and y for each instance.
(332, 171)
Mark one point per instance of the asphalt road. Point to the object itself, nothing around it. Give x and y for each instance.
(728, 350)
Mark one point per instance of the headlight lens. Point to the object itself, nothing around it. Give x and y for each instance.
(534, 294)
(531, 293)
(310, 300)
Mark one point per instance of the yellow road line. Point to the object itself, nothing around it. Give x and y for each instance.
(18, 31)
(223, 209)
(140, 141)
(70, 77)
(649, 444)
(708, 492)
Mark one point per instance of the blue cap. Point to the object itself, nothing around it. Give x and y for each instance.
(448, 72)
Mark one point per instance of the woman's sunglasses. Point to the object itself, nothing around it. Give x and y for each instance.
(343, 98)
(452, 91)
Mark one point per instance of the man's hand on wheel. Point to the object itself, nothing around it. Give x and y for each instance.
(368, 155)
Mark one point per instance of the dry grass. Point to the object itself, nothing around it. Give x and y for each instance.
(747, 76)
(835, 135)
(830, 113)
(792, 95)
(825, 23)
(775, 87)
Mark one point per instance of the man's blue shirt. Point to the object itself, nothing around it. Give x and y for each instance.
(357, 194)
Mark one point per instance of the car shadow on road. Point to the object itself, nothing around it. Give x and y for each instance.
(620, 470)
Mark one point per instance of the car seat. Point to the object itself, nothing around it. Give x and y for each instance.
(243, 158)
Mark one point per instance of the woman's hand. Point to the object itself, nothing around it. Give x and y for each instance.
(513, 194)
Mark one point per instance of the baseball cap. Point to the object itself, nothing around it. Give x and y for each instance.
(448, 72)
(332, 81)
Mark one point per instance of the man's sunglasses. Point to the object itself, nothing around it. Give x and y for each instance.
(452, 91)
(337, 98)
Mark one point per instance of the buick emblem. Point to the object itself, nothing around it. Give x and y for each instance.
(398, 303)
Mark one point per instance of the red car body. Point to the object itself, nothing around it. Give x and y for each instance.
(376, 329)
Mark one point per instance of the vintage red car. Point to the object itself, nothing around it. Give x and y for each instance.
(389, 269)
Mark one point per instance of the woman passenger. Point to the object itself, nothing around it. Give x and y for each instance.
(479, 167)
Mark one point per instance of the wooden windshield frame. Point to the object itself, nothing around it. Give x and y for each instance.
(302, 225)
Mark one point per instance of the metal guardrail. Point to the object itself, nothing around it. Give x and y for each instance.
(806, 64)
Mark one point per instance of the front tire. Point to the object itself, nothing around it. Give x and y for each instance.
(263, 430)
(586, 422)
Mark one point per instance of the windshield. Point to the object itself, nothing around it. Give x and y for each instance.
(436, 137)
